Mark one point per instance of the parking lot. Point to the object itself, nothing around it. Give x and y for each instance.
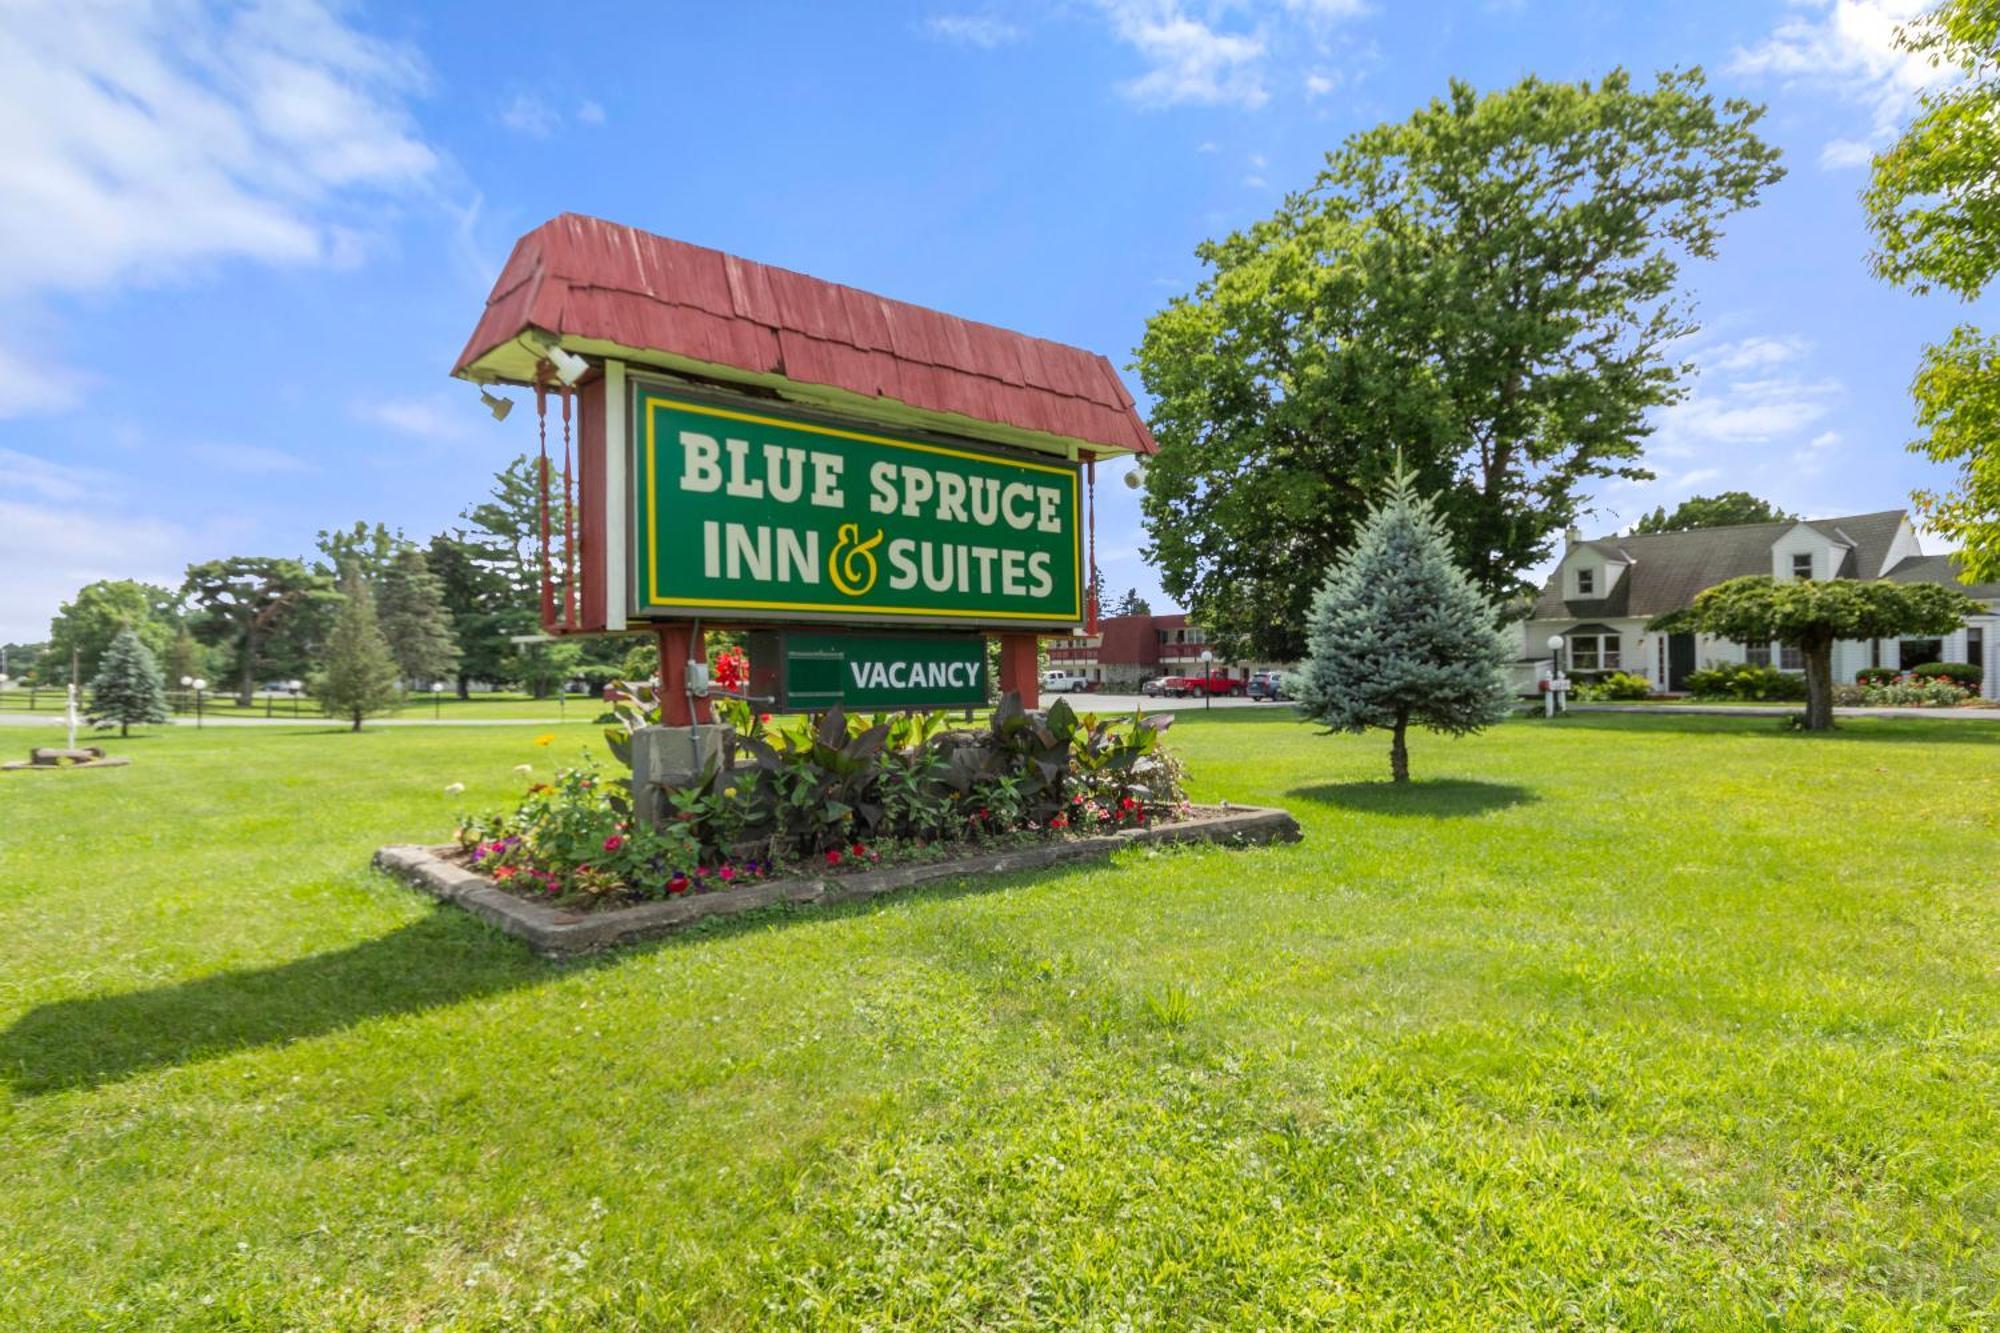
(1095, 702)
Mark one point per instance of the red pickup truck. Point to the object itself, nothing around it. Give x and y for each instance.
(1182, 687)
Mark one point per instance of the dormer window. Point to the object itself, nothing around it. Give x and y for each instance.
(1586, 583)
(1802, 568)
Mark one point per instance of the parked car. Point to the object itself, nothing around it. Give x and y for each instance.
(1174, 687)
(1268, 686)
(1154, 687)
(1218, 686)
(1064, 682)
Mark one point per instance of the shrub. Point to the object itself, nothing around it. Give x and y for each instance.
(1874, 676)
(1615, 685)
(1966, 675)
(1743, 681)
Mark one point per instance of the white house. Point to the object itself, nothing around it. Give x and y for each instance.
(1603, 594)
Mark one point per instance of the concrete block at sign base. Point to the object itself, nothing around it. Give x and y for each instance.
(671, 757)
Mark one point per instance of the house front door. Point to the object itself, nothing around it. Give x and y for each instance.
(1680, 660)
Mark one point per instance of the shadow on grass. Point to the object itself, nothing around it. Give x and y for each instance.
(1438, 798)
(438, 959)
(1982, 730)
(442, 958)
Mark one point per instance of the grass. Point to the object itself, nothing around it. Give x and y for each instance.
(1625, 1020)
(483, 706)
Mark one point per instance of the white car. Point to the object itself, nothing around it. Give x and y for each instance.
(1063, 682)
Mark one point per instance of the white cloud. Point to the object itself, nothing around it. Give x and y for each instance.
(978, 30)
(1319, 85)
(34, 386)
(426, 418)
(1208, 146)
(530, 115)
(1188, 61)
(144, 141)
(1255, 183)
(1328, 10)
(1839, 154)
(590, 113)
(51, 550)
(253, 460)
(47, 480)
(1757, 353)
(1848, 47)
(140, 139)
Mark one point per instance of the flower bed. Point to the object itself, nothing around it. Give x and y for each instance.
(826, 795)
(557, 930)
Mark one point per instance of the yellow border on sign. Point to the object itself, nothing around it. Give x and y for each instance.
(655, 402)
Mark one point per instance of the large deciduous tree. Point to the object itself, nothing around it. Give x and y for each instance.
(1934, 205)
(246, 600)
(86, 624)
(1490, 287)
(1400, 634)
(1812, 616)
(1713, 511)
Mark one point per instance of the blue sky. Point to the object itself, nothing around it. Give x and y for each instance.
(240, 247)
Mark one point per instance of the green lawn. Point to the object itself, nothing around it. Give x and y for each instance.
(1621, 1021)
(499, 704)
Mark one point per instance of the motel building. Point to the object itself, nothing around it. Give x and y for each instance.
(1128, 651)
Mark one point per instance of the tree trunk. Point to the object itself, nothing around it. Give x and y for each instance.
(124, 730)
(246, 688)
(357, 719)
(1399, 750)
(1819, 686)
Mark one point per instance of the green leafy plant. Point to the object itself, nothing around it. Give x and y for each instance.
(1745, 682)
(1615, 685)
(1966, 674)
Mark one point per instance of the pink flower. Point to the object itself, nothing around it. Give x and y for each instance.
(728, 873)
(613, 843)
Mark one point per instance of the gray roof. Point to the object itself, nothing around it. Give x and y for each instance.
(1940, 569)
(1666, 569)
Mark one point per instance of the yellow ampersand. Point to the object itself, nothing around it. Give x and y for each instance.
(851, 563)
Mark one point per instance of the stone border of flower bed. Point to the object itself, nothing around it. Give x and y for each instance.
(556, 933)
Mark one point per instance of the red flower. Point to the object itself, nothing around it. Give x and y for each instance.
(613, 843)
(763, 717)
(833, 856)
(678, 884)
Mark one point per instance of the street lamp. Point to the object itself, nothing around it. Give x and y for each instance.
(197, 684)
(295, 688)
(1555, 676)
(1207, 680)
(437, 700)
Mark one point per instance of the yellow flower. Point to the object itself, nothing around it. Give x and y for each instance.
(729, 791)
(545, 738)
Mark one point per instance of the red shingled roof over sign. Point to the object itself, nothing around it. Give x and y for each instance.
(581, 277)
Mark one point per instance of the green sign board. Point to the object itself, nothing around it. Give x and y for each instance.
(798, 669)
(746, 514)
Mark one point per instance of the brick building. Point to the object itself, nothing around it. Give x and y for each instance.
(1128, 651)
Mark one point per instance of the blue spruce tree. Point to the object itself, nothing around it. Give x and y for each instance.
(1399, 634)
(128, 687)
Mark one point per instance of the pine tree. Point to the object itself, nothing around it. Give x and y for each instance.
(128, 687)
(360, 675)
(415, 619)
(1399, 633)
